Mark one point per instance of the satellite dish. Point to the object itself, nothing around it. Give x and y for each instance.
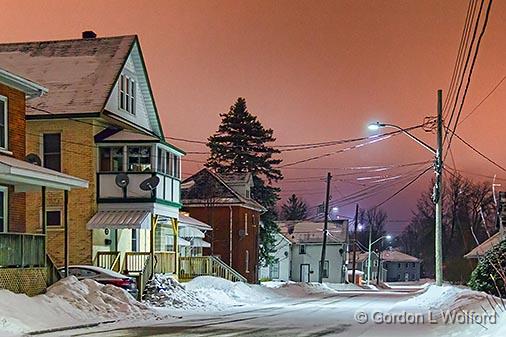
(150, 183)
(122, 180)
(32, 158)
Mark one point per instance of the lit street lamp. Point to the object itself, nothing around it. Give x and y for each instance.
(438, 169)
(388, 237)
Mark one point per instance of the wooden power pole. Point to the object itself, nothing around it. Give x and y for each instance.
(325, 229)
(355, 244)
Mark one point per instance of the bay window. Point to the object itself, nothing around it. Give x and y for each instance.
(139, 158)
(111, 159)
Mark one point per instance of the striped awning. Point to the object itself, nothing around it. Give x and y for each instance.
(119, 219)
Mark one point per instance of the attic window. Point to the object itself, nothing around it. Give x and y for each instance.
(127, 94)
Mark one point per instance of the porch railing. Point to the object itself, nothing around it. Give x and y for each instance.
(22, 250)
(165, 262)
(108, 260)
(193, 266)
(135, 262)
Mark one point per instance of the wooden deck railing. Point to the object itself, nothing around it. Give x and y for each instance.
(193, 266)
(135, 262)
(108, 260)
(22, 250)
(165, 262)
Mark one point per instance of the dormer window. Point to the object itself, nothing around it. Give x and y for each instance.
(127, 93)
(4, 126)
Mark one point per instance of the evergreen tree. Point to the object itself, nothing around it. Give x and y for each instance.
(294, 209)
(241, 145)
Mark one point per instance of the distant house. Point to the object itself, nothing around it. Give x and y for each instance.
(393, 266)
(224, 202)
(279, 270)
(23, 263)
(306, 248)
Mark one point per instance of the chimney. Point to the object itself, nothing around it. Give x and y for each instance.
(89, 34)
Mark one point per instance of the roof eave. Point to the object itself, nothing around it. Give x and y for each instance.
(30, 88)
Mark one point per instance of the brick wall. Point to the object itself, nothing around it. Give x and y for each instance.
(79, 160)
(219, 219)
(16, 139)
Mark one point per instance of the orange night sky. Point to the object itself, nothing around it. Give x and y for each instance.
(311, 70)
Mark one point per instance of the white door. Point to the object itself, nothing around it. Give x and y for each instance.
(304, 273)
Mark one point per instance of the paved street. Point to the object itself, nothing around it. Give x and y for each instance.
(325, 316)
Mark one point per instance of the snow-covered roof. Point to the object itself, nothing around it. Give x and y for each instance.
(304, 231)
(79, 73)
(484, 247)
(389, 256)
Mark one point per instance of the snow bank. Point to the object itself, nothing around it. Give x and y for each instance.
(445, 297)
(204, 292)
(68, 302)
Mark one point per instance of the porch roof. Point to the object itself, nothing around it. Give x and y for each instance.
(188, 221)
(25, 175)
(119, 219)
(198, 242)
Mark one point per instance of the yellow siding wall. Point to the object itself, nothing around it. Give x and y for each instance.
(77, 160)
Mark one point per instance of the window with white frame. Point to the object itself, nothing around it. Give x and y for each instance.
(247, 261)
(4, 125)
(139, 158)
(246, 224)
(54, 217)
(127, 93)
(111, 159)
(3, 208)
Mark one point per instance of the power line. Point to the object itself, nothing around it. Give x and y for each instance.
(461, 81)
(479, 152)
(482, 33)
(403, 187)
(484, 99)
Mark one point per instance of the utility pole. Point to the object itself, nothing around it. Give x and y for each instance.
(369, 253)
(438, 200)
(355, 245)
(325, 229)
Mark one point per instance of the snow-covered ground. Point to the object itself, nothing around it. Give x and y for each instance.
(238, 306)
(69, 302)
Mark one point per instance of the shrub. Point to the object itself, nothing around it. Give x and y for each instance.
(490, 273)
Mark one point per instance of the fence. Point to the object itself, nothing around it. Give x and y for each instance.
(21, 250)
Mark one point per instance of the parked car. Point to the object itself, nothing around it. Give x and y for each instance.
(104, 276)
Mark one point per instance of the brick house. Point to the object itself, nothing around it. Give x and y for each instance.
(225, 203)
(99, 122)
(23, 249)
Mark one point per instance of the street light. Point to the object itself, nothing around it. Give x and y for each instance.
(438, 169)
(388, 237)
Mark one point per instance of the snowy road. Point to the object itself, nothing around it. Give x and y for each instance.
(324, 315)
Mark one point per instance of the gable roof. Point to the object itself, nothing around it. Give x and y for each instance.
(480, 250)
(79, 73)
(304, 231)
(207, 187)
(389, 256)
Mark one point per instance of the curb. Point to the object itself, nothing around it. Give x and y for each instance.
(72, 327)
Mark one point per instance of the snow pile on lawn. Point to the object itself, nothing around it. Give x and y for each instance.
(204, 292)
(445, 297)
(68, 302)
(228, 292)
(98, 300)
